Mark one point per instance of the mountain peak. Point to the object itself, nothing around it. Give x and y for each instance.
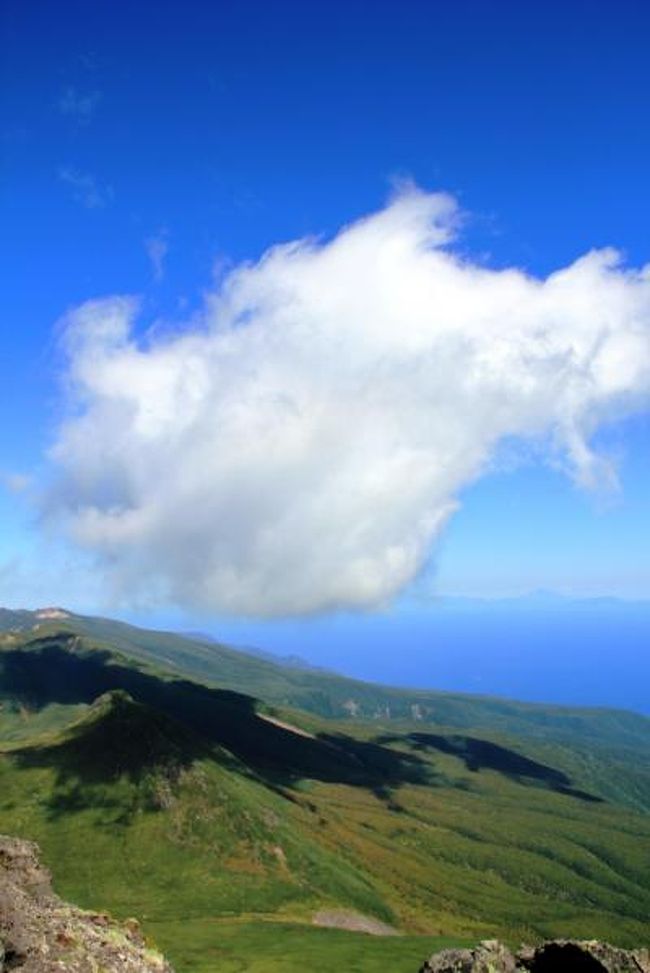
(52, 612)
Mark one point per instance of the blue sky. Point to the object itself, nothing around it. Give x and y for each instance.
(147, 151)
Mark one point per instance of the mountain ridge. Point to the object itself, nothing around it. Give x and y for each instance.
(196, 657)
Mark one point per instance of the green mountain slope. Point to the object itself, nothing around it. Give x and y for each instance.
(206, 810)
(609, 750)
(336, 697)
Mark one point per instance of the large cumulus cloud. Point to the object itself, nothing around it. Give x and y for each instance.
(301, 446)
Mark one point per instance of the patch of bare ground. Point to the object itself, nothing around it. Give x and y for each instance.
(352, 922)
(286, 726)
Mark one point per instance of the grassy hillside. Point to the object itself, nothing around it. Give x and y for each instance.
(332, 696)
(226, 824)
(608, 750)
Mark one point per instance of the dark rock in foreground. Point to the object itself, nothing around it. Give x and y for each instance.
(39, 933)
(558, 956)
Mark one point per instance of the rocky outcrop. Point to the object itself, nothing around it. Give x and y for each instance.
(489, 957)
(39, 933)
(557, 956)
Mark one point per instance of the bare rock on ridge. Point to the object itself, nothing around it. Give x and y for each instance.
(39, 933)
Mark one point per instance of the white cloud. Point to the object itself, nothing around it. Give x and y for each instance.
(157, 248)
(78, 105)
(303, 445)
(16, 482)
(85, 188)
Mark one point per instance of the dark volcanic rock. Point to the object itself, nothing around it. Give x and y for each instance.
(584, 957)
(558, 956)
(39, 933)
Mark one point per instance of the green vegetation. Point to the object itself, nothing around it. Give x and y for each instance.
(225, 822)
(272, 947)
(606, 749)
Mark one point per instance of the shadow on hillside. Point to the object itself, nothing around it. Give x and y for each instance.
(480, 754)
(183, 720)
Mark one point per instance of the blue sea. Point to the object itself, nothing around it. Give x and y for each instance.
(543, 648)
